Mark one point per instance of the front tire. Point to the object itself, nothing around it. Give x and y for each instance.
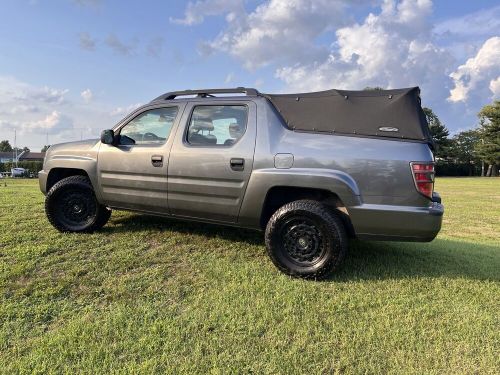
(71, 206)
(306, 239)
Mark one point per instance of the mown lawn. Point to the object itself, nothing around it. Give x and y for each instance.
(153, 295)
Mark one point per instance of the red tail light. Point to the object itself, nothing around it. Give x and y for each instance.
(423, 175)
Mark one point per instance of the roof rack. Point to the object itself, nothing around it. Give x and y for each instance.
(207, 93)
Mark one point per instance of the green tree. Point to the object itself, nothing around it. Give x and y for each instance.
(462, 148)
(5, 146)
(439, 134)
(488, 148)
(45, 148)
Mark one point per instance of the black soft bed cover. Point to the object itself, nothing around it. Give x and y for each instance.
(377, 113)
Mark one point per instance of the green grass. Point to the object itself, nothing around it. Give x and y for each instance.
(153, 295)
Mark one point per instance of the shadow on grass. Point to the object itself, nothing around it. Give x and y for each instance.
(138, 222)
(439, 258)
(366, 260)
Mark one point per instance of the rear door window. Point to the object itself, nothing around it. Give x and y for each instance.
(217, 125)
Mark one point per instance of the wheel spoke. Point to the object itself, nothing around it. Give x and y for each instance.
(302, 241)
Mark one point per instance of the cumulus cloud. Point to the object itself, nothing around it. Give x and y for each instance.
(495, 87)
(86, 95)
(394, 48)
(279, 31)
(51, 123)
(479, 73)
(30, 94)
(122, 111)
(196, 12)
(87, 42)
(17, 96)
(31, 109)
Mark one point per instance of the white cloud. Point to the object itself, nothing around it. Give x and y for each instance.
(280, 31)
(392, 49)
(44, 94)
(229, 78)
(51, 123)
(43, 115)
(478, 72)
(495, 87)
(14, 93)
(196, 12)
(122, 111)
(86, 95)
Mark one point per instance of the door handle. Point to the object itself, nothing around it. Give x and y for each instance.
(237, 164)
(157, 160)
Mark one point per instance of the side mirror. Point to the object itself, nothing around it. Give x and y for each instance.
(108, 137)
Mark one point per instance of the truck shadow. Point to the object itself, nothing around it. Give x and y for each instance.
(439, 258)
(367, 260)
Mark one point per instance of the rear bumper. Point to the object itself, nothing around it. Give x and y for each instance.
(42, 180)
(397, 223)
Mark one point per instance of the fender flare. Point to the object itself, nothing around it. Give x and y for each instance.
(261, 181)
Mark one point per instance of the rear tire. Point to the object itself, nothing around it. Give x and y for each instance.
(306, 239)
(71, 206)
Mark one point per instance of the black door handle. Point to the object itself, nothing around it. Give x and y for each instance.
(157, 160)
(237, 164)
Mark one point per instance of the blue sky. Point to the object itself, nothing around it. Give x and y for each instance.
(71, 68)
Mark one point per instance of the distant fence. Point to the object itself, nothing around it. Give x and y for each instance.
(32, 166)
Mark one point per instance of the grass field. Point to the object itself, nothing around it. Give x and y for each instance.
(153, 295)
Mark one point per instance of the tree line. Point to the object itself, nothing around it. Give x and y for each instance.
(474, 152)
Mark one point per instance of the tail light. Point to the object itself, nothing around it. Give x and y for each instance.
(423, 175)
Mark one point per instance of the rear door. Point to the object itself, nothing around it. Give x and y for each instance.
(211, 160)
(133, 173)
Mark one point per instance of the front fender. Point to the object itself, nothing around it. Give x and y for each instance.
(88, 164)
(261, 181)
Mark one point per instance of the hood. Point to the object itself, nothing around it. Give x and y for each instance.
(86, 149)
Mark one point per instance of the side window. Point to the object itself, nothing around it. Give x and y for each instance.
(149, 128)
(217, 125)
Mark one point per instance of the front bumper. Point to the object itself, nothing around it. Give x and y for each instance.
(42, 181)
(397, 223)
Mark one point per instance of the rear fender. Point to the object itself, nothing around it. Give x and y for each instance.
(261, 181)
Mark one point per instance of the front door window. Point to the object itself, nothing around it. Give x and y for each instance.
(149, 128)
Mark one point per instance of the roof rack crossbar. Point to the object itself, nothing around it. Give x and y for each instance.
(203, 93)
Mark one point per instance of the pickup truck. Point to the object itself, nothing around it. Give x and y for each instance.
(311, 170)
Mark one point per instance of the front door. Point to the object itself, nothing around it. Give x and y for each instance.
(211, 160)
(133, 173)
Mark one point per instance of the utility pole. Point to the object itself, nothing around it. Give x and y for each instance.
(15, 144)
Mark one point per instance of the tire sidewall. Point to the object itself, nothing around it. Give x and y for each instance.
(333, 237)
(53, 202)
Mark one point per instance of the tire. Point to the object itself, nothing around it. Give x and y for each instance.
(306, 239)
(71, 206)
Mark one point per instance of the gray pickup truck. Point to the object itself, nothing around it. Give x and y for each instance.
(311, 170)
